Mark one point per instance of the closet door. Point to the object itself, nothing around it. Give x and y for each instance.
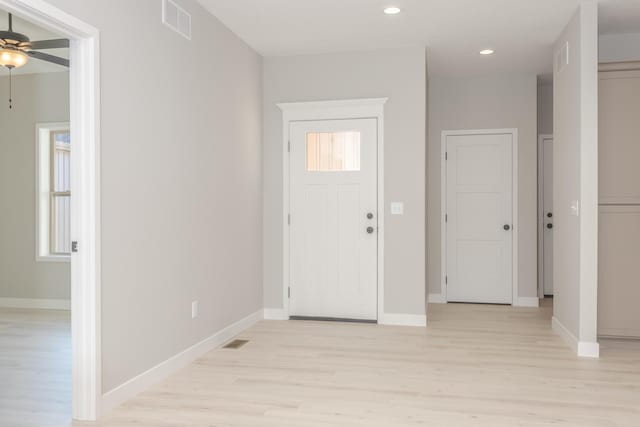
(619, 227)
(619, 137)
(619, 271)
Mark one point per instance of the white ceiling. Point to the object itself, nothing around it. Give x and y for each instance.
(34, 32)
(454, 31)
(619, 16)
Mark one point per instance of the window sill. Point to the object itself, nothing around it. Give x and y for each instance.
(53, 258)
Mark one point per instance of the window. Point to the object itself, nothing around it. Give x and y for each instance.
(60, 235)
(54, 191)
(333, 151)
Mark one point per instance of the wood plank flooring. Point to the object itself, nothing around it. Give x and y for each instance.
(473, 365)
(35, 368)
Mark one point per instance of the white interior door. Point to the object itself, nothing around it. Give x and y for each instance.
(479, 234)
(334, 221)
(547, 212)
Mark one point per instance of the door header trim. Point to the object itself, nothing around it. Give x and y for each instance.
(358, 104)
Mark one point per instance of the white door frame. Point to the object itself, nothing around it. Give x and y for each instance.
(372, 108)
(443, 203)
(541, 139)
(85, 205)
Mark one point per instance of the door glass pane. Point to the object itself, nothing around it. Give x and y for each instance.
(333, 151)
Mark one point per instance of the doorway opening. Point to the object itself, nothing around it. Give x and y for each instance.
(83, 206)
(545, 216)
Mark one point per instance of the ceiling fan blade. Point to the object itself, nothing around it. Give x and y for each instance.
(50, 44)
(49, 58)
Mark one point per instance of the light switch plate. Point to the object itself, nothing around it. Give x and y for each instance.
(575, 208)
(194, 309)
(397, 208)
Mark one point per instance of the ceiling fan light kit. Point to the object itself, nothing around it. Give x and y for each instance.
(16, 49)
(11, 58)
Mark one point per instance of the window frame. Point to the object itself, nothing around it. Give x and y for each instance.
(45, 149)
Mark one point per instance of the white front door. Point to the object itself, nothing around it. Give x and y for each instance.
(334, 219)
(547, 212)
(479, 218)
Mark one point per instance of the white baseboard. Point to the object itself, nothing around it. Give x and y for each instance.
(33, 303)
(581, 348)
(142, 382)
(275, 314)
(565, 334)
(527, 302)
(437, 299)
(589, 349)
(403, 319)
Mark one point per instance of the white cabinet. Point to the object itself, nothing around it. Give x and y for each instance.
(619, 137)
(619, 198)
(619, 271)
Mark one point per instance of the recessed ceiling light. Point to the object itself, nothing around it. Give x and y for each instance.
(487, 52)
(392, 10)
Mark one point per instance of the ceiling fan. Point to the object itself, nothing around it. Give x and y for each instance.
(16, 49)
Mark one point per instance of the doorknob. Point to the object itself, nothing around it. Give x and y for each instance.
(370, 230)
(549, 226)
(507, 227)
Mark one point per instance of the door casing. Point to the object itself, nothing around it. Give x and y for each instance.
(371, 108)
(541, 139)
(84, 97)
(443, 205)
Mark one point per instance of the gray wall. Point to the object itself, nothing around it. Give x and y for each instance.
(575, 171)
(619, 47)
(487, 103)
(398, 74)
(181, 181)
(36, 98)
(545, 109)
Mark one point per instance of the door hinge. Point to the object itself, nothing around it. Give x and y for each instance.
(74, 247)
(289, 219)
(446, 156)
(288, 146)
(446, 218)
(289, 292)
(446, 280)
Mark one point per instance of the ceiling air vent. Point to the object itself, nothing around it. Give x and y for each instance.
(176, 18)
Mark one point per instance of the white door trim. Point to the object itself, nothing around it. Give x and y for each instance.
(85, 208)
(443, 204)
(541, 139)
(331, 110)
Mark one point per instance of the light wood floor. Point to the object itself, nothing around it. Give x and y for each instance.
(35, 368)
(473, 365)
